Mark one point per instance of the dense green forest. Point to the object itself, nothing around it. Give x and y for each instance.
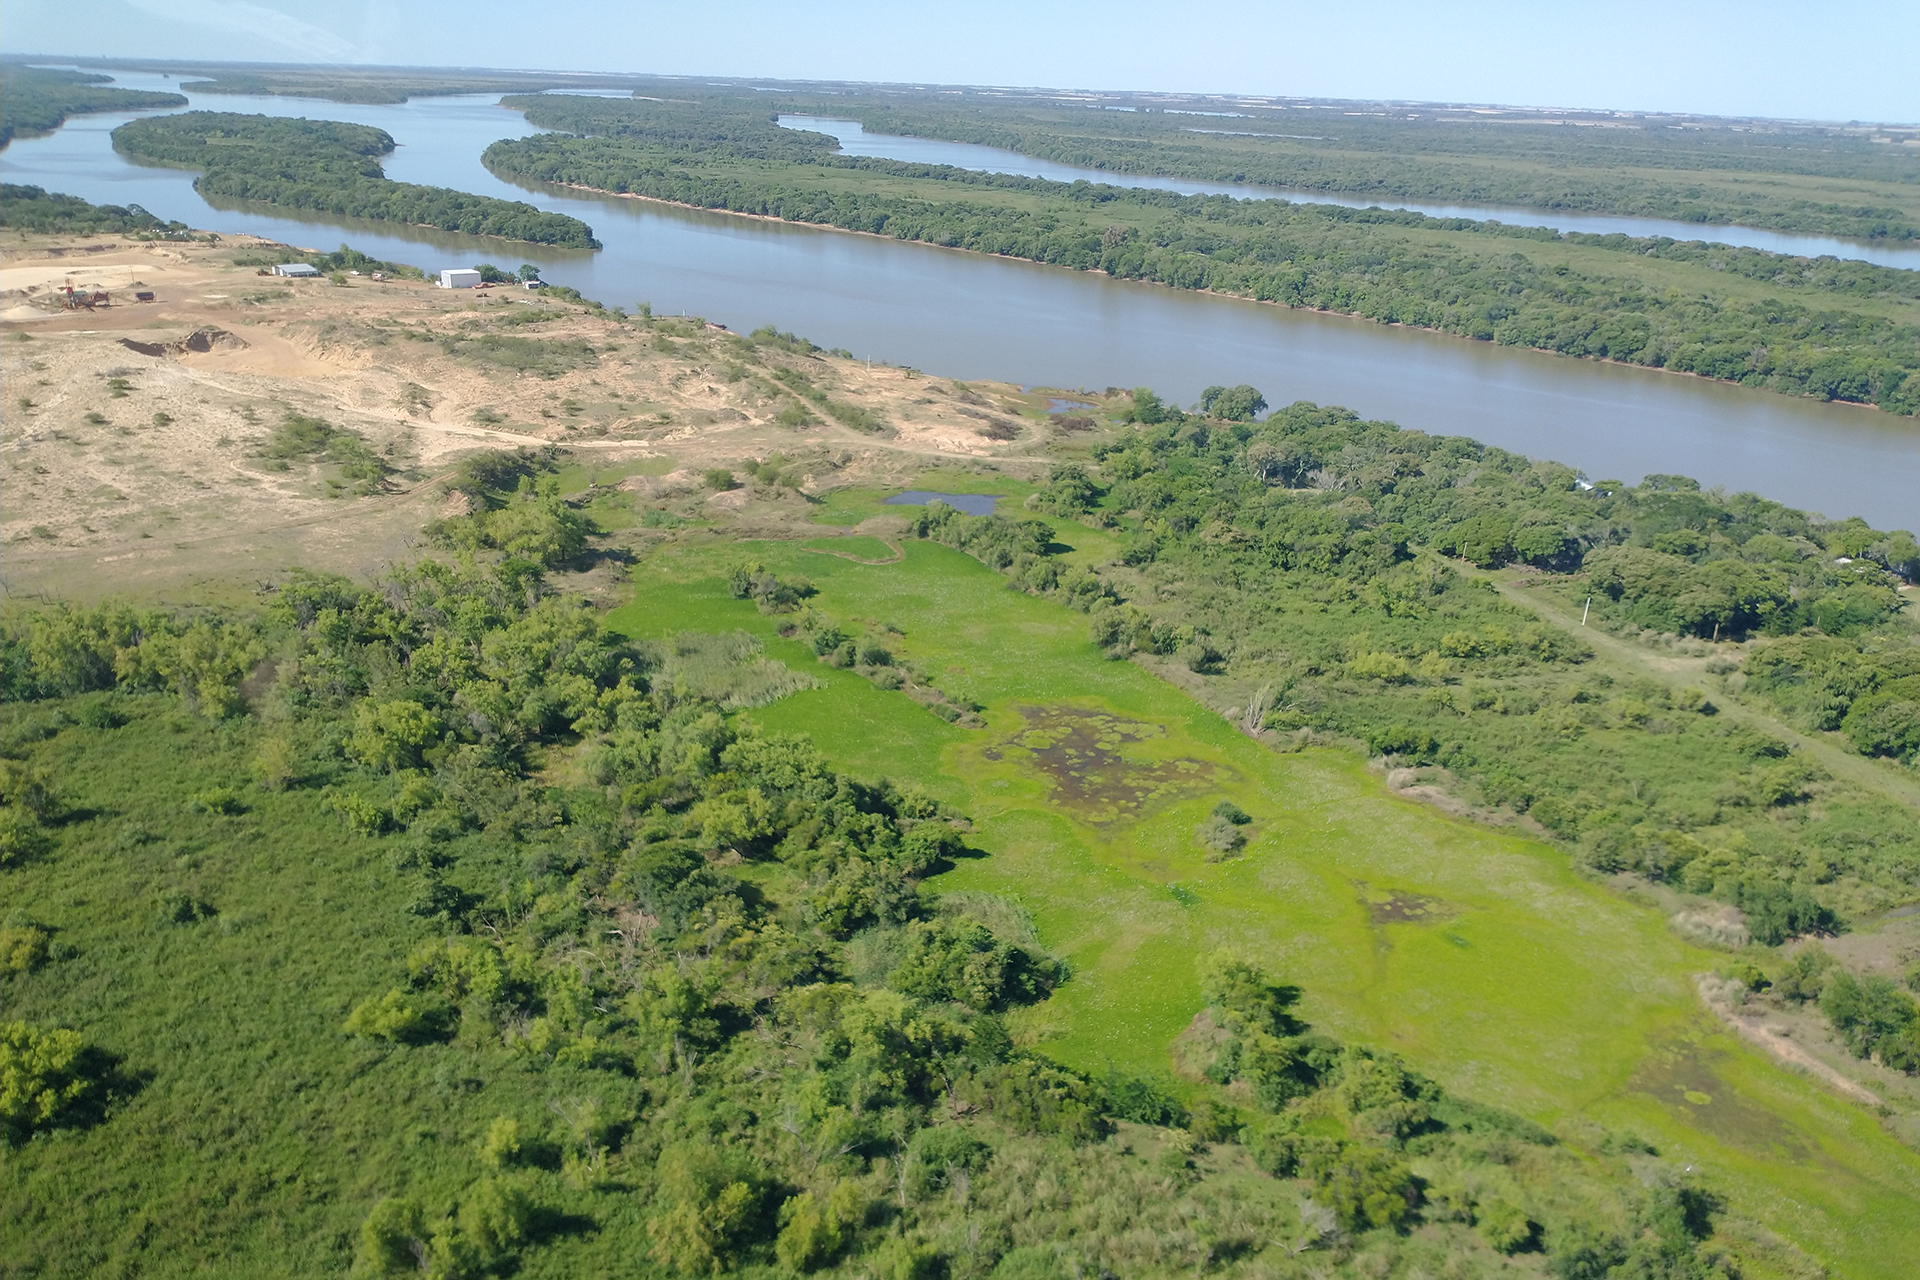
(1822, 328)
(428, 926)
(37, 100)
(25, 208)
(1314, 561)
(328, 167)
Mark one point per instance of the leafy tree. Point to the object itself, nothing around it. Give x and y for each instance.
(708, 1208)
(391, 735)
(1237, 404)
(1147, 407)
(1366, 1188)
(961, 960)
(1875, 1018)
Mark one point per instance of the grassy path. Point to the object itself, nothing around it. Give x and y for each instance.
(1676, 673)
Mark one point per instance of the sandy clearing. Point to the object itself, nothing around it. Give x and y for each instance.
(125, 467)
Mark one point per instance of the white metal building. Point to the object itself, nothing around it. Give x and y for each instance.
(295, 269)
(459, 278)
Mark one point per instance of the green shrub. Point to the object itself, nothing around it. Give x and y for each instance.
(1875, 1018)
(23, 948)
(961, 960)
(1033, 1096)
(180, 907)
(708, 1208)
(1367, 1188)
(43, 1078)
(398, 1017)
(394, 1238)
(1505, 1225)
(391, 735)
(217, 800)
(813, 1233)
(938, 1152)
(21, 836)
(1142, 1100)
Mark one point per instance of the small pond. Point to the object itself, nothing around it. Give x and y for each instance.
(974, 504)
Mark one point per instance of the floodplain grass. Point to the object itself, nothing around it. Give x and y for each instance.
(579, 476)
(1079, 545)
(1480, 955)
(857, 545)
(852, 504)
(253, 1133)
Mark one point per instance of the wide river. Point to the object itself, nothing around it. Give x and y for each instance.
(964, 315)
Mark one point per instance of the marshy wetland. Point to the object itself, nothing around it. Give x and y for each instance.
(492, 784)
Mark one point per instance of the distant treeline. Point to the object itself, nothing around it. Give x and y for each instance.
(1474, 279)
(25, 208)
(34, 100)
(1645, 171)
(328, 167)
(1790, 178)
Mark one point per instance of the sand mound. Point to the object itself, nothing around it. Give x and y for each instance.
(199, 342)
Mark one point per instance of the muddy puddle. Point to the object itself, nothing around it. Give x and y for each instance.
(1097, 767)
(1405, 908)
(1681, 1077)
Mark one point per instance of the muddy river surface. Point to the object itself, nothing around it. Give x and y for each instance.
(967, 316)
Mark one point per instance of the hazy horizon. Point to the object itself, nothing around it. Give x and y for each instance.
(1766, 59)
(110, 62)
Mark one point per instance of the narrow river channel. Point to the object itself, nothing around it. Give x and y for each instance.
(961, 315)
(856, 141)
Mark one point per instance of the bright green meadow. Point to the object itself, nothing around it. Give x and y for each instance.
(1483, 957)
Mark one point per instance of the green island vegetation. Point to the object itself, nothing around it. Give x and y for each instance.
(329, 167)
(38, 100)
(1844, 180)
(862, 916)
(33, 209)
(1831, 329)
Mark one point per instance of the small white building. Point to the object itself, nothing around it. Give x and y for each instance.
(296, 269)
(459, 278)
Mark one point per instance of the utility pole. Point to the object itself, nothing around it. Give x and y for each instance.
(1584, 610)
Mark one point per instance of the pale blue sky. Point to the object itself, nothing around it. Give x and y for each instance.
(1835, 60)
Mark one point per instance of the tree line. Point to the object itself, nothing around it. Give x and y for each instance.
(37, 100)
(1813, 337)
(34, 209)
(1787, 177)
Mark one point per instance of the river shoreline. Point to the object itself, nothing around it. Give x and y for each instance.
(1237, 297)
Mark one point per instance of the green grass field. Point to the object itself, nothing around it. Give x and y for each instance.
(1480, 956)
